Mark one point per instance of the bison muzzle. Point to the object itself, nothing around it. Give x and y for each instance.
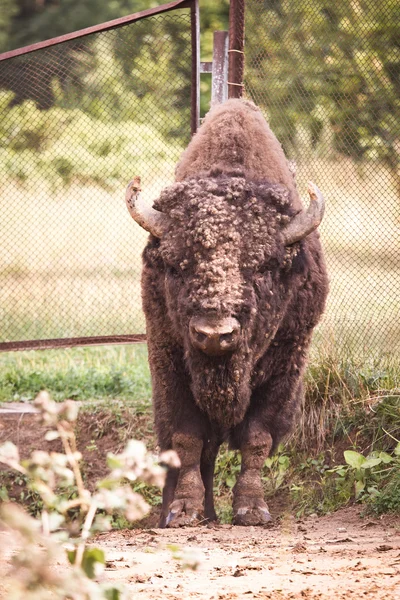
(214, 337)
(233, 283)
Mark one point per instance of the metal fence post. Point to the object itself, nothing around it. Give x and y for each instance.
(219, 91)
(195, 92)
(236, 49)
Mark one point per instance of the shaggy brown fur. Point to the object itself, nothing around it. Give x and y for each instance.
(222, 255)
(237, 136)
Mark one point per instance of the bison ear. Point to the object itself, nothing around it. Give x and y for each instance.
(147, 217)
(306, 221)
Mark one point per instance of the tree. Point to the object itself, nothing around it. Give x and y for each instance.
(8, 9)
(315, 64)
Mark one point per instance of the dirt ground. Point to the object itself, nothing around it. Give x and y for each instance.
(336, 556)
(341, 555)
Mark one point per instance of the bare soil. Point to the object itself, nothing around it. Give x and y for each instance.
(336, 556)
(97, 433)
(341, 555)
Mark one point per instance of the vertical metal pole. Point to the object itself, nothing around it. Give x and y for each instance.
(236, 48)
(195, 93)
(219, 92)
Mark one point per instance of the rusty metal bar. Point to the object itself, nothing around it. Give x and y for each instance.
(206, 67)
(195, 92)
(99, 28)
(52, 344)
(219, 92)
(236, 49)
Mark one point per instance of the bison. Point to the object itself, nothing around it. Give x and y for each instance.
(233, 283)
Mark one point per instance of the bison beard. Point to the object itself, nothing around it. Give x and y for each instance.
(233, 284)
(221, 388)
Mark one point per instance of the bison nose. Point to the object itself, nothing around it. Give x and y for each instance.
(214, 337)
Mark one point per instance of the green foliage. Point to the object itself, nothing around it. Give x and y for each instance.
(227, 467)
(313, 489)
(275, 471)
(388, 498)
(36, 21)
(8, 9)
(374, 478)
(63, 145)
(214, 16)
(93, 561)
(333, 71)
(32, 21)
(119, 68)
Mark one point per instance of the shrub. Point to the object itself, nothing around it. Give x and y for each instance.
(71, 514)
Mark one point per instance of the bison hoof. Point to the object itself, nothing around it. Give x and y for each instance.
(251, 513)
(182, 514)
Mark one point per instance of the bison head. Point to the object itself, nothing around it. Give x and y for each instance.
(224, 250)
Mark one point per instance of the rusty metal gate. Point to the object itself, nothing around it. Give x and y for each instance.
(84, 113)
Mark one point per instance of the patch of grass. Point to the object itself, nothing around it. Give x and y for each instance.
(80, 373)
(342, 392)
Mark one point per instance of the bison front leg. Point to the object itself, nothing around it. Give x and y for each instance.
(272, 410)
(187, 506)
(249, 507)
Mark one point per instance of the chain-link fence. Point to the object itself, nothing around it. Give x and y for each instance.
(327, 76)
(79, 120)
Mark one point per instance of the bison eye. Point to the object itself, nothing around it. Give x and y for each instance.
(262, 269)
(172, 271)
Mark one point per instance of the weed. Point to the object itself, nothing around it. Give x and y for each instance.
(227, 467)
(57, 479)
(388, 498)
(275, 471)
(372, 474)
(92, 446)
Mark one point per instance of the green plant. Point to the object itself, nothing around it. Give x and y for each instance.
(388, 499)
(227, 467)
(369, 473)
(71, 514)
(275, 471)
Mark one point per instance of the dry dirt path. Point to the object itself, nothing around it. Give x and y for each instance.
(337, 556)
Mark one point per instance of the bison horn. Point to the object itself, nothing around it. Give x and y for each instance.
(147, 217)
(306, 221)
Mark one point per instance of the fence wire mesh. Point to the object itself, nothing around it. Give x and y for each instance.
(327, 76)
(79, 120)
